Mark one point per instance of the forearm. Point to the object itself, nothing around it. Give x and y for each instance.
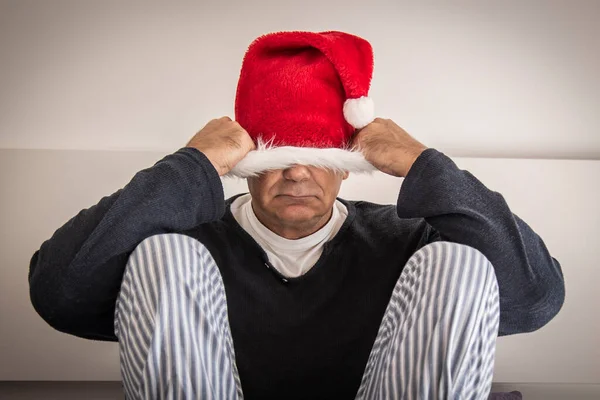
(75, 276)
(461, 209)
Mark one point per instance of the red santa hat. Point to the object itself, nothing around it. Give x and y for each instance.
(301, 96)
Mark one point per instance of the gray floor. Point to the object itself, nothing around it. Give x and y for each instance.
(551, 391)
(61, 390)
(112, 390)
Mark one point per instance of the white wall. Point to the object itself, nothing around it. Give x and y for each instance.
(137, 80)
(473, 78)
(42, 189)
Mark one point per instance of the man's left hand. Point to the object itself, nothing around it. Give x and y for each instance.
(388, 147)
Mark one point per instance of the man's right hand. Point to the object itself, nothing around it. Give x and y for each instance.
(224, 142)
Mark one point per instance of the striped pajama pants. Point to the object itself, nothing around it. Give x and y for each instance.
(436, 340)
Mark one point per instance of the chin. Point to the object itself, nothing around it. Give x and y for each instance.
(297, 213)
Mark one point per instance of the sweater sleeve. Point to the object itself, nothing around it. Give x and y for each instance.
(461, 209)
(75, 276)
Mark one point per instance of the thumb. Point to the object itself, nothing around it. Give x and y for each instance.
(355, 139)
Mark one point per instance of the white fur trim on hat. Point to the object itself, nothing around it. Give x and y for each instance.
(267, 157)
(359, 112)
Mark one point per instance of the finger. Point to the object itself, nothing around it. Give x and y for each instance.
(355, 139)
(357, 133)
(252, 145)
(225, 119)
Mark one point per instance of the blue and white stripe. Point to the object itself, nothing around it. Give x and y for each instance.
(171, 322)
(436, 340)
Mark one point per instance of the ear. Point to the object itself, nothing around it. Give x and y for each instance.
(345, 175)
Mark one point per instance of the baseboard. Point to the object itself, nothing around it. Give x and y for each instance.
(551, 391)
(112, 390)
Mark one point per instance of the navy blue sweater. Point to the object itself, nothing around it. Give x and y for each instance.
(305, 337)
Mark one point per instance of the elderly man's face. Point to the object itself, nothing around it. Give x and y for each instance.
(300, 197)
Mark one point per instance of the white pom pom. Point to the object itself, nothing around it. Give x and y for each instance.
(359, 112)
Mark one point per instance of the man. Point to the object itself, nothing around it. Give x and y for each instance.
(289, 292)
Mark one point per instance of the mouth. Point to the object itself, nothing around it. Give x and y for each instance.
(295, 196)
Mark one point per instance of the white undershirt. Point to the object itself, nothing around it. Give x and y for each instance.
(292, 258)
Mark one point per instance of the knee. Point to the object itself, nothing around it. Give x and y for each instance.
(453, 255)
(170, 253)
(460, 264)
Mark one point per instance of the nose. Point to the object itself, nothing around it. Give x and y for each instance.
(296, 173)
